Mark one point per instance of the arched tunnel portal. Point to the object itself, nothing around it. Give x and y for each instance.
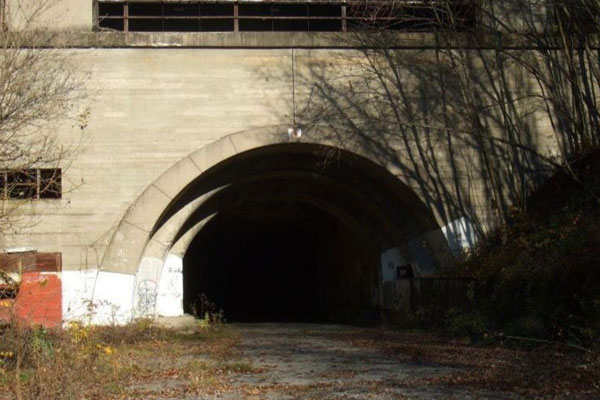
(296, 232)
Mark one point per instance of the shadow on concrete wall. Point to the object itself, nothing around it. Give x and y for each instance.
(461, 127)
(473, 123)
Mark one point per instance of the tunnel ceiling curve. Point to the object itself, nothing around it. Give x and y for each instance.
(365, 197)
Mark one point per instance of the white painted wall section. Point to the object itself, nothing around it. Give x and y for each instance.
(146, 287)
(113, 299)
(169, 301)
(77, 294)
(461, 236)
(390, 260)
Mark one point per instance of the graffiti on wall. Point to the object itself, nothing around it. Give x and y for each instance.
(147, 293)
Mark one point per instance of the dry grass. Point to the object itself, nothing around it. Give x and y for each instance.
(133, 361)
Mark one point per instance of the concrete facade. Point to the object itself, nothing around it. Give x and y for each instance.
(160, 117)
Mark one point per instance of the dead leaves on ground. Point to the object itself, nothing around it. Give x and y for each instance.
(545, 372)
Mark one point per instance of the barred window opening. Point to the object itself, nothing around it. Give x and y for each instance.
(284, 16)
(31, 183)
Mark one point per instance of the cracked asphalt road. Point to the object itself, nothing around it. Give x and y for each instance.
(303, 361)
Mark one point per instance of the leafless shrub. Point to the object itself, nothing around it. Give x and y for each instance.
(40, 91)
(497, 96)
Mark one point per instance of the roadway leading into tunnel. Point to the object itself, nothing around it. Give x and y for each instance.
(325, 361)
(271, 361)
(317, 361)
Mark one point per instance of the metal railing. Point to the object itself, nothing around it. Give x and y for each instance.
(277, 16)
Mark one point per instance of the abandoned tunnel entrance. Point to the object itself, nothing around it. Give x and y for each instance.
(295, 232)
(279, 262)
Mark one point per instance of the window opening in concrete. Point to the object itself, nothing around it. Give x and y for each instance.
(255, 17)
(181, 10)
(282, 16)
(216, 17)
(411, 16)
(144, 17)
(290, 17)
(32, 183)
(110, 16)
(575, 16)
(325, 17)
(50, 183)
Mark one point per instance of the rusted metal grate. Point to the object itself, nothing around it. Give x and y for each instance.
(30, 262)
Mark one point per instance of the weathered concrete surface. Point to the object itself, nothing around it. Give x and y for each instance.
(158, 119)
(166, 107)
(312, 361)
(304, 361)
(148, 110)
(183, 322)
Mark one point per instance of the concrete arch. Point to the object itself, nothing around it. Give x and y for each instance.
(125, 248)
(160, 204)
(226, 198)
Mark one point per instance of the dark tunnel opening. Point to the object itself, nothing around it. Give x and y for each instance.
(281, 261)
(298, 233)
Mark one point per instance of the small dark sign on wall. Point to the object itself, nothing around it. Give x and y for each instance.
(404, 272)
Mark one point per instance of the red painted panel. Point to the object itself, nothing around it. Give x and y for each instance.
(39, 300)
